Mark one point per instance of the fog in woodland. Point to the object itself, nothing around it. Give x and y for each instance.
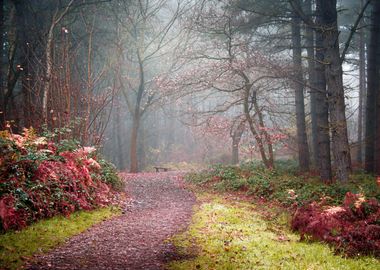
(158, 82)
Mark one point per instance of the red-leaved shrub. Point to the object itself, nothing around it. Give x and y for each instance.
(353, 228)
(36, 181)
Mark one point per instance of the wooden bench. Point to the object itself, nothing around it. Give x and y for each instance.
(161, 168)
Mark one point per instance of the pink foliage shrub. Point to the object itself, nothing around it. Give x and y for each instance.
(36, 181)
(353, 228)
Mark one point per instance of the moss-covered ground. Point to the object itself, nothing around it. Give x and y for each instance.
(227, 234)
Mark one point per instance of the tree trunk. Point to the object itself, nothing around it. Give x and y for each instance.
(2, 88)
(362, 90)
(236, 137)
(334, 80)
(373, 85)
(303, 149)
(137, 117)
(309, 43)
(235, 152)
(49, 59)
(133, 144)
(321, 104)
(117, 129)
(268, 162)
(48, 71)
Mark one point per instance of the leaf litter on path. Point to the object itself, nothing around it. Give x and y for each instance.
(159, 208)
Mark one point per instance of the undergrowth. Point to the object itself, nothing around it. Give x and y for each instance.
(283, 184)
(16, 248)
(234, 235)
(346, 215)
(40, 178)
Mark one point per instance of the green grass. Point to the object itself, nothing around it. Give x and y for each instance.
(18, 246)
(232, 235)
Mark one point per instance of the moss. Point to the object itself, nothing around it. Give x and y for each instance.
(18, 246)
(225, 235)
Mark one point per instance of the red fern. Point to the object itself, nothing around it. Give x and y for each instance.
(353, 227)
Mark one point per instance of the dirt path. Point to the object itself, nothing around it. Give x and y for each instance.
(159, 208)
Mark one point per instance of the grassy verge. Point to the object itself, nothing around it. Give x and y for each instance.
(18, 246)
(234, 235)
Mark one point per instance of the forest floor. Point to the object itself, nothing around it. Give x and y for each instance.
(168, 226)
(159, 208)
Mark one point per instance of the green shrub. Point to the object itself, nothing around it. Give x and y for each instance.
(109, 174)
(68, 145)
(283, 184)
(259, 185)
(231, 184)
(225, 172)
(200, 178)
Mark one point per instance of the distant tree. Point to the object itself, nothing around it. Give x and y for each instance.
(144, 41)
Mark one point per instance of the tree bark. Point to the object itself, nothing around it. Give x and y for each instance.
(303, 149)
(236, 137)
(117, 129)
(310, 49)
(268, 161)
(373, 84)
(323, 135)
(134, 168)
(133, 144)
(49, 59)
(2, 89)
(362, 90)
(334, 80)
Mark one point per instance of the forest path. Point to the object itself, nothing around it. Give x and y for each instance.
(160, 207)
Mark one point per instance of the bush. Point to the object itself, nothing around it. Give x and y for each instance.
(260, 185)
(40, 178)
(109, 174)
(353, 227)
(310, 197)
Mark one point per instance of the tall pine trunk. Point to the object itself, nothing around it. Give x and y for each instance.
(362, 91)
(303, 149)
(321, 103)
(334, 80)
(2, 88)
(373, 84)
(309, 43)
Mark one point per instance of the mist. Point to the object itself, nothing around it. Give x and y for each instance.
(160, 82)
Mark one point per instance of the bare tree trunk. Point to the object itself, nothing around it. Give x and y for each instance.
(268, 162)
(2, 88)
(309, 43)
(121, 161)
(362, 90)
(137, 117)
(321, 104)
(49, 58)
(48, 72)
(133, 144)
(334, 80)
(236, 137)
(373, 84)
(303, 149)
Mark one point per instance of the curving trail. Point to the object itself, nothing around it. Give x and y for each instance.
(159, 208)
